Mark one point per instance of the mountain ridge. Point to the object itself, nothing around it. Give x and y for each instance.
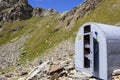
(17, 10)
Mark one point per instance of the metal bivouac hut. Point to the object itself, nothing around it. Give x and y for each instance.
(97, 49)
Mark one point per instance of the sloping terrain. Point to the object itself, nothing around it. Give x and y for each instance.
(47, 28)
(46, 31)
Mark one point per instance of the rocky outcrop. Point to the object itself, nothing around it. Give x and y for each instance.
(39, 12)
(57, 64)
(83, 9)
(4, 4)
(69, 18)
(17, 10)
(12, 10)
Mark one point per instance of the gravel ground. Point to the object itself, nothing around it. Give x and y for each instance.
(10, 52)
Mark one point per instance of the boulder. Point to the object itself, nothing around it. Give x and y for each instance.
(39, 69)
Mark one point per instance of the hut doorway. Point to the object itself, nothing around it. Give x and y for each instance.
(91, 53)
(96, 57)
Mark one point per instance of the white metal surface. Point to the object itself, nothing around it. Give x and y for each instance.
(109, 40)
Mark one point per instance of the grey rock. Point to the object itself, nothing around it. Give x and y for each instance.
(64, 64)
(8, 75)
(39, 69)
(54, 76)
(40, 62)
(78, 12)
(12, 10)
(56, 69)
(116, 72)
(23, 73)
(21, 79)
(24, 52)
(3, 78)
(10, 52)
(37, 12)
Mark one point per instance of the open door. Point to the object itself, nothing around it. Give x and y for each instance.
(96, 57)
(89, 52)
(94, 52)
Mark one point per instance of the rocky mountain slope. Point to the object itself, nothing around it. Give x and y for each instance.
(12, 10)
(17, 10)
(31, 36)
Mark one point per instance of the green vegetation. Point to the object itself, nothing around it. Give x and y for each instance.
(7, 69)
(44, 37)
(42, 30)
(107, 12)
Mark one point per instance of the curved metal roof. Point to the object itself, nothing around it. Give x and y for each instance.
(110, 31)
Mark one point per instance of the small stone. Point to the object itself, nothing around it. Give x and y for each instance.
(92, 79)
(116, 77)
(50, 63)
(21, 79)
(116, 72)
(3, 73)
(72, 72)
(3, 78)
(23, 73)
(24, 52)
(59, 58)
(56, 69)
(40, 62)
(64, 63)
(55, 30)
(86, 74)
(54, 76)
(63, 74)
(70, 54)
(8, 75)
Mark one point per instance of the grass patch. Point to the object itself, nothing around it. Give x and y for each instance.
(44, 38)
(107, 12)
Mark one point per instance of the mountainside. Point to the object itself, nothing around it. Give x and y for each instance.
(17, 10)
(28, 34)
(12, 10)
